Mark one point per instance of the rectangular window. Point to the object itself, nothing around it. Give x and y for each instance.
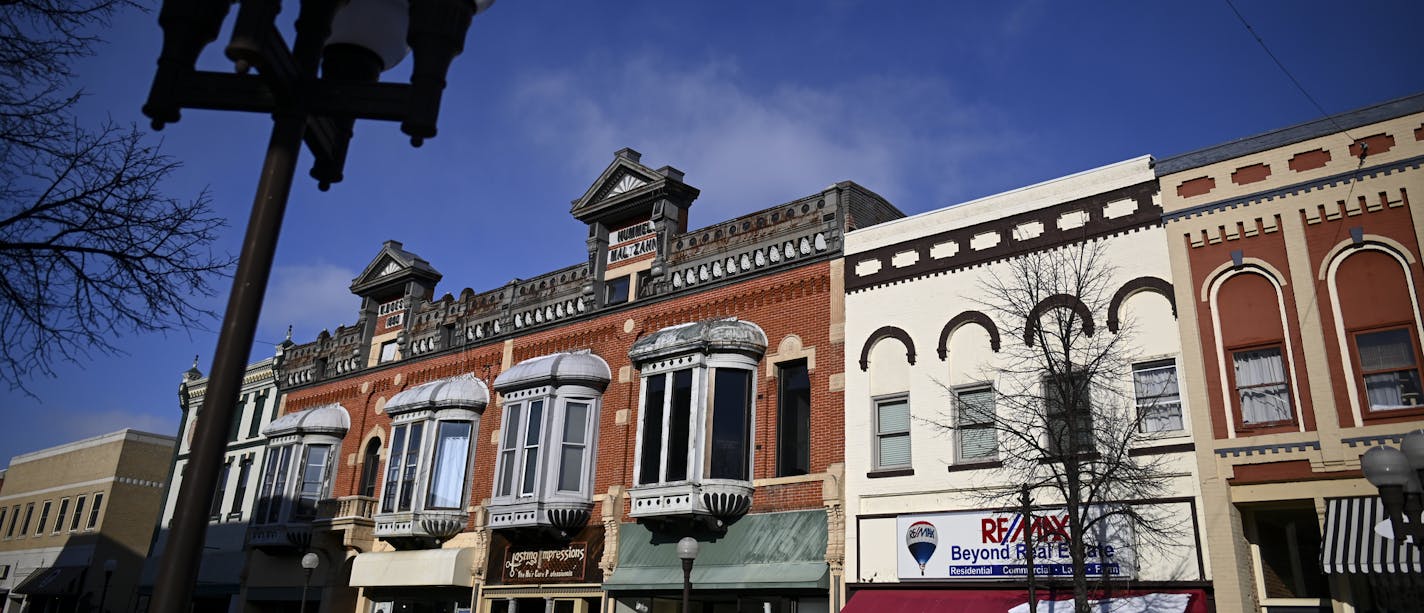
(94, 511)
(1261, 386)
(654, 398)
(14, 520)
(892, 433)
(4, 568)
(793, 419)
(254, 427)
(529, 461)
(1159, 400)
(976, 438)
(447, 474)
(575, 444)
(4, 512)
(313, 480)
(78, 513)
(388, 352)
(729, 440)
(1069, 412)
(615, 291)
(239, 497)
(409, 462)
(215, 509)
(234, 429)
(1389, 369)
(274, 482)
(509, 451)
(393, 465)
(44, 517)
(29, 515)
(679, 426)
(59, 517)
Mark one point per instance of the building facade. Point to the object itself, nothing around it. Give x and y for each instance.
(544, 445)
(949, 401)
(76, 519)
(1298, 255)
(220, 573)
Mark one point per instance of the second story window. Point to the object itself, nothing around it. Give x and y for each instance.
(429, 466)
(44, 517)
(976, 437)
(78, 513)
(1261, 386)
(60, 516)
(697, 415)
(548, 430)
(1069, 413)
(1159, 400)
(297, 470)
(1389, 370)
(892, 433)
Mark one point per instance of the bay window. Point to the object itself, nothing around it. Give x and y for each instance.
(428, 469)
(296, 473)
(548, 430)
(696, 419)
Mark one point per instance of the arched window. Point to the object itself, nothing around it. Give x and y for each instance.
(370, 467)
(1380, 331)
(1256, 352)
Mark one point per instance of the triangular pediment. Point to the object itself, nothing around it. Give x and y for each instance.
(392, 265)
(624, 183)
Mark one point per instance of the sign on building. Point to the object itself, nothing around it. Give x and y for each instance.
(523, 565)
(990, 545)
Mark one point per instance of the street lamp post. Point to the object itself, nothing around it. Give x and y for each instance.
(315, 90)
(110, 565)
(1398, 473)
(687, 551)
(309, 563)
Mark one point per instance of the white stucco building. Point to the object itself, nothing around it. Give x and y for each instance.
(925, 349)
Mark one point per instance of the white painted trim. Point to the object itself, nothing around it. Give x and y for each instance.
(126, 434)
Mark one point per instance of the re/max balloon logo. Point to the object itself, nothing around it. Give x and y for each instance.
(921, 538)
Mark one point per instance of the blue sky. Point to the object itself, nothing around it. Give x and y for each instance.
(928, 103)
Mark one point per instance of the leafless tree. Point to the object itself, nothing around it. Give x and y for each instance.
(1065, 416)
(90, 245)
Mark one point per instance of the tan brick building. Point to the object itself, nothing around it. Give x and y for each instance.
(543, 446)
(1296, 258)
(69, 510)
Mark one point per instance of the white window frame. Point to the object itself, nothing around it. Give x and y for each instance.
(94, 511)
(703, 367)
(44, 516)
(79, 509)
(281, 485)
(1152, 403)
(959, 425)
(876, 435)
(548, 446)
(399, 474)
(60, 515)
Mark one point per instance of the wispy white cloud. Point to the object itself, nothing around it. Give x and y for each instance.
(749, 147)
(308, 297)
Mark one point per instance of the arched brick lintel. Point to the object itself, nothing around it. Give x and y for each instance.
(1140, 284)
(883, 333)
(1058, 301)
(967, 317)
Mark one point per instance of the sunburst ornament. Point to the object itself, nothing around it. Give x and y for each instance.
(628, 182)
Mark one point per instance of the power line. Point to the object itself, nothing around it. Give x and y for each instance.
(1287, 72)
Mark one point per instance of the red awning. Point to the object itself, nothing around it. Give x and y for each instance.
(977, 601)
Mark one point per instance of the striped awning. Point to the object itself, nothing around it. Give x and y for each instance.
(1358, 539)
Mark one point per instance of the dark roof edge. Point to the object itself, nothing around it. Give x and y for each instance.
(1383, 111)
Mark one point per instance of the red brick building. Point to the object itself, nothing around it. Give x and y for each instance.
(544, 445)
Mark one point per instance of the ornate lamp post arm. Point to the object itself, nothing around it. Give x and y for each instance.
(303, 107)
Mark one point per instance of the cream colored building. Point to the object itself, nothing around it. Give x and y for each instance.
(922, 343)
(71, 509)
(221, 568)
(1298, 255)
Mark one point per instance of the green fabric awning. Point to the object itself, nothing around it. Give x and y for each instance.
(762, 551)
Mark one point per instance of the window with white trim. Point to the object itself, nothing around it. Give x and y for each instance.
(548, 431)
(94, 511)
(44, 517)
(1389, 369)
(892, 432)
(78, 513)
(1157, 395)
(29, 515)
(59, 517)
(294, 478)
(976, 437)
(433, 429)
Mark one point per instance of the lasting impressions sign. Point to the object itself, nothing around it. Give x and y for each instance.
(537, 565)
(990, 545)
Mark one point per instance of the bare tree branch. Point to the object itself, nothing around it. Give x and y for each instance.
(1065, 415)
(91, 246)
